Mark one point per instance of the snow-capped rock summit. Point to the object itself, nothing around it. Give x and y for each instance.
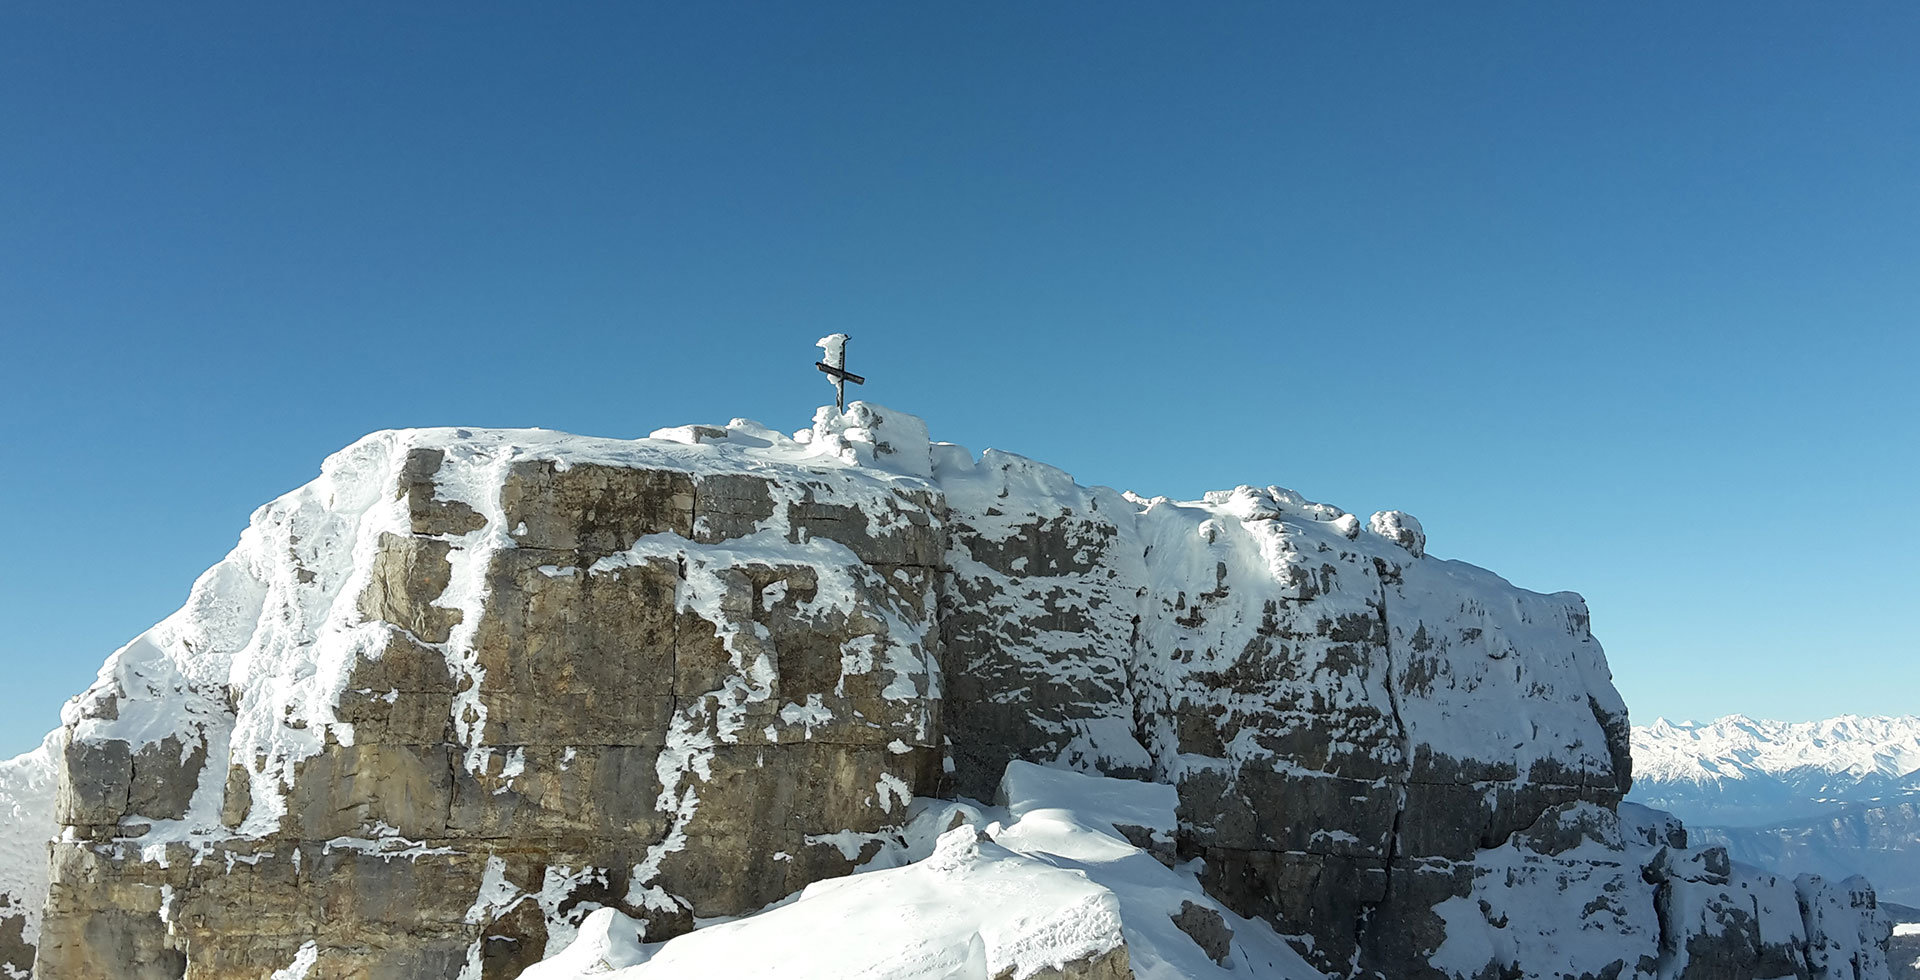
(479, 699)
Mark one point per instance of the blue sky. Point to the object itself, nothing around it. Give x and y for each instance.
(1616, 298)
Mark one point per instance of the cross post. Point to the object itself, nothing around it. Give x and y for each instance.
(834, 365)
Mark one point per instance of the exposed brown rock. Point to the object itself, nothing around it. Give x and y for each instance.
(1208, 930)
(1111, 965)
(584, 677)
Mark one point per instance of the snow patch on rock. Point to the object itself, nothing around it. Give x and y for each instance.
(27, 786)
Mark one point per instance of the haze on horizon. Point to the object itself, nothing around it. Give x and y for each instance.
(1615, 301)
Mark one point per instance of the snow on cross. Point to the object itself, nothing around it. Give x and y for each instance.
(835, 367)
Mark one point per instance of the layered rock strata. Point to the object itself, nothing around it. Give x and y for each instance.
(471, 686)
(467, 688)
(1358, 732)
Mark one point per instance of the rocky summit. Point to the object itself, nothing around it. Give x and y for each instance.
(479, 703)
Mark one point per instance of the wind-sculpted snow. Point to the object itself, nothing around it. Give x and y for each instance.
(1045, 884)
(478, 698)
(970, 904)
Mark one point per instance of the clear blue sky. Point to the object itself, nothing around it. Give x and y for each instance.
(1618, 298)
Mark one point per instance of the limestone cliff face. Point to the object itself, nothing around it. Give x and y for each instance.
(470, 686)
(442, 725)
(1409, 764)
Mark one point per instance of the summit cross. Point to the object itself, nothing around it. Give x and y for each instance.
(835, 367)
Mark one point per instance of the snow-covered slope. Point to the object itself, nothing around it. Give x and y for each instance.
(1043, 882)
(26, 824)
(1051, 883)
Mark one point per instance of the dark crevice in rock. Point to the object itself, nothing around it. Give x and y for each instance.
(1406, 760)
(1619, 743)
(1806, 951)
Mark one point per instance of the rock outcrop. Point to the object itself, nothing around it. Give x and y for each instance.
(1363, 738)
(470, 687)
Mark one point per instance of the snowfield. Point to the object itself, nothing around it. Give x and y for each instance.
(967, 891)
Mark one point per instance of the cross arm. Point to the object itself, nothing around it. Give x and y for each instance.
(839, 374)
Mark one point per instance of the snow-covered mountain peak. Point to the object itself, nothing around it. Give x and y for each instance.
(472, 686)
(1739, 747)
(1835, 797)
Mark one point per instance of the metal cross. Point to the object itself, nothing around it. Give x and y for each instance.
(835, 367)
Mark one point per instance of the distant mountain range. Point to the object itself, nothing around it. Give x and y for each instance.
(1837, 797)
